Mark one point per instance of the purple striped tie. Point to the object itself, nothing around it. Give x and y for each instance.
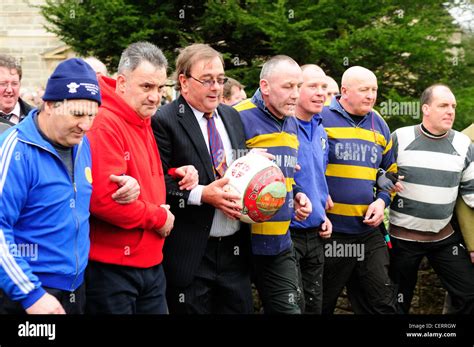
(216, 147)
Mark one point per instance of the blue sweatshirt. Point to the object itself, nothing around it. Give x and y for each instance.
(262, 130)
(312, 157)
(44, 215)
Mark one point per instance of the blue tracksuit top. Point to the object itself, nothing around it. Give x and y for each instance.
(42, 208)
(312, 158)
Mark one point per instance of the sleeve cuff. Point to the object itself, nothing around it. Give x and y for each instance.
(195, 196)
(33, 297)
(297, 189)
(172, 172)
(161, 218)
(385, 197)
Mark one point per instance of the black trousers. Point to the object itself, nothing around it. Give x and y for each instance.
(276, 279)
(221, 284)
(309, 252)
(359, 262)
(72, 302)
(116, 289)
(449, 259)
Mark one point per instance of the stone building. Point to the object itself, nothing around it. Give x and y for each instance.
(23, 36)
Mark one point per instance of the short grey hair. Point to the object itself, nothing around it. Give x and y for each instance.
(141, 51)
(56, 104)
(269, 67)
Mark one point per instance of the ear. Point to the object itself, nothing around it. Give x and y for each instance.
(121, 83)
(425, 108)
(264, 87)
(183, 81)
(48, 107)
(343, 92)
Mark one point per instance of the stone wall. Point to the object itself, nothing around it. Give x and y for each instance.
(23, 36)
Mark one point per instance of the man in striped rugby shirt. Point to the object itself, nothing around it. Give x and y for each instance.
(437, 163)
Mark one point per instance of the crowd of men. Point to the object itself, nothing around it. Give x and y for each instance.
(112, 204)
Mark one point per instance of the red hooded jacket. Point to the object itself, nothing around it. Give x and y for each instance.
(123, 143)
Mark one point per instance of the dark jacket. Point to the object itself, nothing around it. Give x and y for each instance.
(4, 125)
(180, 142)
(25, 108)
(38, 212)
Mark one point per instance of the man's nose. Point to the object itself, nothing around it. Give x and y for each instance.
(321, 91)
(9, 87)
(295, 93)
(371, 95)
(154, 96)
(215, 85)
(86, 123)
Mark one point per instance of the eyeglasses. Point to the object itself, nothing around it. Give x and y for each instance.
(4, 84)
(210, 82)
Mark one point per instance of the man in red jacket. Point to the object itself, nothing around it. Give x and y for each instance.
(125, 274)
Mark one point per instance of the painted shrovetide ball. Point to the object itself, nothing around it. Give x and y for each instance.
(260, 184)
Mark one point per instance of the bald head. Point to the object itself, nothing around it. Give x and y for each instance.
(358, 90)
(313, 67)
(312, 92)
(333, 87)
(98, 66)
(355, 75)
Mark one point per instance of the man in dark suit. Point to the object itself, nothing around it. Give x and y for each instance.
(206, 258)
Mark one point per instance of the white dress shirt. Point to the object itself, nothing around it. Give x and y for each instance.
(221, 224)
(15, 118)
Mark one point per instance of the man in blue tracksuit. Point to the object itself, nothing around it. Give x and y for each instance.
(313, 152)
(45, 188)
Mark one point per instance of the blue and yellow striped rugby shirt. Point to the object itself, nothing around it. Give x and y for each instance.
(356, 152)
(262, 130)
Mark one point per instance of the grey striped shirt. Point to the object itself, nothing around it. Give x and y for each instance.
(435, 170)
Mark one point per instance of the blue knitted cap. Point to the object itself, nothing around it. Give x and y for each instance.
(72, 79)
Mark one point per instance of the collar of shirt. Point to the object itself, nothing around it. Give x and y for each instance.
(202, 121)
(200, 115)
(15, 118)
(221, 225)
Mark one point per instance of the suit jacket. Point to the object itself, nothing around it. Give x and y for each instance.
(181, 142)
(4, 125)
(25, 109)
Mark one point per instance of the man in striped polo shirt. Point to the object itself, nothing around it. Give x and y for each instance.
(437, 164)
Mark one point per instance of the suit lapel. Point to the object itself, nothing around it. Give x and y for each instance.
(226, 119)
(191, 127)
